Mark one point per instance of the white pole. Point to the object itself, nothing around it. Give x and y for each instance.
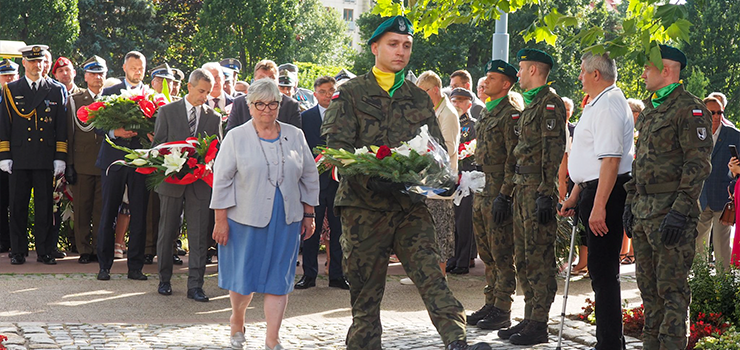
(501, 39)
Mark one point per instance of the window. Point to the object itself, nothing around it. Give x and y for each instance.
(349, 15)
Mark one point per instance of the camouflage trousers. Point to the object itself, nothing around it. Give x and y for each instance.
(368, 237)
(662, 276)
(534, 255)
(496, 249)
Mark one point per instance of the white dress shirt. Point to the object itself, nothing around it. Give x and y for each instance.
(189, 107)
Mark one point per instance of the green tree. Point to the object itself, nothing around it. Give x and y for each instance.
(321, 35)
(178, 24)
(48, 22)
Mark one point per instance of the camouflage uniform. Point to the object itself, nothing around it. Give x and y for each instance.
(672, 160)
(538, 155)
(363, 114)
(496, 142)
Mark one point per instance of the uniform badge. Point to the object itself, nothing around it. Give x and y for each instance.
(550, 123)
(550, 107)
(488, 66)
(701, 132)
(515, 116)
(335, 95)
(17, 97)
(517, 131)
(697, 112)
(401, 25)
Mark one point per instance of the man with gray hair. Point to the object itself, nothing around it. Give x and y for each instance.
(600, 165)
(188, 117)
(218, 98)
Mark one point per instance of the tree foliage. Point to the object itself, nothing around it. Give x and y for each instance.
(30, 20)
(321, 35)
(178, 24)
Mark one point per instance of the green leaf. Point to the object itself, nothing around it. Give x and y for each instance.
(544, 34)
(166, 90)
(679, 30)
(551, 20)
(629, 26)
(655, 57)
(669, 13)
(568, 21)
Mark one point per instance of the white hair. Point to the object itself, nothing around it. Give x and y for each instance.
(605, 65)
(263, 90)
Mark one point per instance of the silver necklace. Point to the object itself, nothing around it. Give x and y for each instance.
(267, 161)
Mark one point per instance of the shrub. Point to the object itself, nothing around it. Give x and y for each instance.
(706, 325)
(634, 321)
(729, 340)
(714, 291)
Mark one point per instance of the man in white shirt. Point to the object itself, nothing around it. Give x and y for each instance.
(218, 97)
(600, 163)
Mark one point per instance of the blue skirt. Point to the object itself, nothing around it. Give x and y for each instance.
(261, 260)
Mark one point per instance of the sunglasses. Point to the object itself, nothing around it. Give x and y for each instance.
(717, 112)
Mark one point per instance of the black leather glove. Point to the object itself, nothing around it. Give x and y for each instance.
(672, 227)
(628, 219)
(70, 174)
(545, 209)
(381, 185)
(501, 208)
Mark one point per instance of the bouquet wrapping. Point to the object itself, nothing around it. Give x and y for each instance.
(470, 182)
(177, 162)
(421, 164)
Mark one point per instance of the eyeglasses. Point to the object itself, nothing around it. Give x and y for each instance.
(326, 92)
(717, 112)
(261, 105)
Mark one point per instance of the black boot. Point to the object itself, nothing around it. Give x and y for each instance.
(463, 345)
(507, 333)
(496, 319)
(473, 318)
(534, 333)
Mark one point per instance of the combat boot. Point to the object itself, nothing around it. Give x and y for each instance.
(473, 318)
(496, 319)
(507, 333)
(534, 333)
(463, 345)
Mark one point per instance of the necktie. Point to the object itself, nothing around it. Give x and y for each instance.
(33, 86)
(215, 103)
(191, 121)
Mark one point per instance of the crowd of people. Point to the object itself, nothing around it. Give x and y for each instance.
(648, 180)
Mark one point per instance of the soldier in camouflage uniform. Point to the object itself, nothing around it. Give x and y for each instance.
(494, 233)
(382, 108)
(661, 212)
(538, 155)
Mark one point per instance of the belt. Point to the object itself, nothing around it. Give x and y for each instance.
(495, 168)
(527, 169)
(657, 188)
(595, 182)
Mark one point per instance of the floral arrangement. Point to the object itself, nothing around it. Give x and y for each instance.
(178, 162)
(421, 163)
(466, 149)
(132, 110)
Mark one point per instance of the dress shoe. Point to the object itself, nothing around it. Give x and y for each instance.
(136, 275)
(181, 252)
(495, 320)
(165, 288)
(472, 263)
(46, 259)
(534, 333)
(449, 267)
(463, 345)
(277, 347)
(238, 340)
(460, 271)
(508, 332)
(197, 294)
(4, 248)
(58, 254)
(340, 283)
(209, 259)
(473, 318)
(306, 282)
(104, 274)
(148, 259)
(17, 259)
(84, 259)
(176, 260)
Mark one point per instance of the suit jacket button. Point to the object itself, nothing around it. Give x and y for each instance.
(29, 139)
(41, 129)
(42, 140)
(29, 129)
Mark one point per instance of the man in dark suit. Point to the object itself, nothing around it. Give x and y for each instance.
(8, 74)
(289, 109)
(324, 88)
(177, 121)
(218, 98)
(117, 178)
(81, 174)
(33, 149)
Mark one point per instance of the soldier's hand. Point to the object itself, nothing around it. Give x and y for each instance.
(501, 208)
(545, 210)
(59, 166)
(123, 133)
(627, 220)
(672, 227)
(70, 174)
(6, 165)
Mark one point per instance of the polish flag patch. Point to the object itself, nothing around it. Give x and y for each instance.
(697, 112)
(335, 96)
(515, 116)
(550, 107)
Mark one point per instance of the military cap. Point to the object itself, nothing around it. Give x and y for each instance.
(287, 78)
(59, 63)
(163, 71)
(95, 64)
(231, 63)
(179, 75)
(344, 75)
(289, 67)
(397, 24)
(536, 56)
(673, 54)
(33, 52)
(228, 74)
(8, 67)
(501, 67)
(461, 92)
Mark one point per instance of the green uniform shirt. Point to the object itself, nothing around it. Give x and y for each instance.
(495, 147)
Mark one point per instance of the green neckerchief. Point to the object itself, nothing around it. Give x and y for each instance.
(662, 94)
(529, 95)
(383, 79)
(400, 77)
(490, 105)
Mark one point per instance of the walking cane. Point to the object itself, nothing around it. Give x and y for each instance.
(567, 281)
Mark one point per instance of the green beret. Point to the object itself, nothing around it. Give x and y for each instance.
(673, 54)
(499, 66)
(535, 55)
(397, 24)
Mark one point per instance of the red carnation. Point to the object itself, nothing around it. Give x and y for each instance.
(383, 151)
(192, 162)
(138, 98)
(83, 114)
(148, 108)
(96, 105)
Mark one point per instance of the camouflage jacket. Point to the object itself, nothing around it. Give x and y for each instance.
(541, 143)
(674, 147)
(495, 149)
(363, 114)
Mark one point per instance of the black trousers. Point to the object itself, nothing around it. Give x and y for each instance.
(311, 245)
(465, 248)
(114, 184)
(603, 263)
(4, 206)
(21, 183)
